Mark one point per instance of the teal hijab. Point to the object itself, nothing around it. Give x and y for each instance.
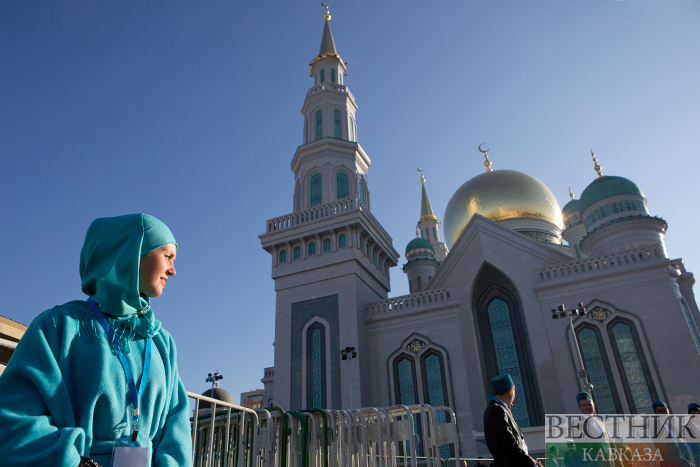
(109, 267)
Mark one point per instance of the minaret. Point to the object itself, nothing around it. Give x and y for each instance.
(330, 255)
(429, 225)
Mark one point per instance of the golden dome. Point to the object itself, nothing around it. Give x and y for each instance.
(500, 195)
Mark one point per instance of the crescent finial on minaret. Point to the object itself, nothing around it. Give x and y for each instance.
(596, 166)
(327, 15)
(422, 178)
(487, 162)
(571, 193)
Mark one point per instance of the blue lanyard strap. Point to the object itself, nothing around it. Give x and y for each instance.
(125, 363)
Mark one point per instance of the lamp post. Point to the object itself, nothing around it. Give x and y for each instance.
(214, 379)
(561, 312)
(348, 353)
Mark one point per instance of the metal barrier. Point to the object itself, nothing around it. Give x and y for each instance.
(228, 435)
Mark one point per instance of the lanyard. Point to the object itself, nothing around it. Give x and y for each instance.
(135, 397)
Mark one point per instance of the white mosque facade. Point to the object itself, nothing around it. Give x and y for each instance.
(481, 300)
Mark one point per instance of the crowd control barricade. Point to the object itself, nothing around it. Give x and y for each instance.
(227, 435)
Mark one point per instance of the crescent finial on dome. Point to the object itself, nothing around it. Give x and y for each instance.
(571, 193)
(596, 166)
(487, 162)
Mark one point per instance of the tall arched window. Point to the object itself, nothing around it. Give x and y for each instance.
(332, 75)
(311, 249)
(420, 284)
(410, 286)
(298, 197)
(306, 130)
(316, 366)
(342, 185)
(503, 342)
(336, 124)
(296, 252)
(367, 250)
(283, 256)
(427, 233)
(435, 388)
(691, 324)
(632, 367)
(319, 124)
(405, 387)
(363, 195)
(323, 76)
(315, 190)
(359, 242)
(326, 244)
(507, 358)
(351, 129)
(598, 371)
(342, 241)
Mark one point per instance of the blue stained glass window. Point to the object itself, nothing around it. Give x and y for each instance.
(342, 185)
(306, 130)
(507, 357)
(319, 124)
(363, 195)
(434, 234)
(336, 124)
(326, 244)
(590, 347)
(436, 394)
(315, 190)
(298, 197)
(351, 129)
(367, 250)
(374, 258)
(316, 370)
(283, 256)
(332, 75)
(359, 242)
(408, 395)
(632, 366)
(385, 269)
(312, 248)
(323, 76)
(691, 324)
(342, 241)
(297, 252)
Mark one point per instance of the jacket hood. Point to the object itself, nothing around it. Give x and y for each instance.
(109, 267)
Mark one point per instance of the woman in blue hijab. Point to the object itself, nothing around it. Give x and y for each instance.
(65, 399)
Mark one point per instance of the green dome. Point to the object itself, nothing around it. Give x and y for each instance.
(418, 243)
(570, 208)
(606, 187)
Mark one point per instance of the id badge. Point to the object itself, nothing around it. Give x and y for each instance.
(129, 453)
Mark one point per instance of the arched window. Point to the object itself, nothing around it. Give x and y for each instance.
(296, 252)
(435, 235)
(326, 244)
(691, 324)
(332, 75)
(315, 190)
(323, 76)
(283, 256)
(632, 367)
(410, 284)
(316, 366)
(342, 241)
(435, 388)
(374, 257)
(363, 195)
(405, 386)
(351, 129)
(298, 197)
(306, 130)
(506, 356)
(598, 371)
(367, 250)
(311, 249)
(359, 242)
(385, 272)
(342, 185)
(503, 342)
(427, 234)
(319, 124)
(336, 124)
(420, 284)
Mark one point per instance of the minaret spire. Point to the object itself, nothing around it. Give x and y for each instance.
(428, 224)
(596, 166)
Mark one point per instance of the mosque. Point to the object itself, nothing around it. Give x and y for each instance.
(485, 283)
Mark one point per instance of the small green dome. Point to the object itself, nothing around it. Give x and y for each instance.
(418, 243)
(570, 208)
(606, 187)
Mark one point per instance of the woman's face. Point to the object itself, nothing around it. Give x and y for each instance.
(156, 266)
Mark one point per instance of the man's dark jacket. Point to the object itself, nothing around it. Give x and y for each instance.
(503, 438)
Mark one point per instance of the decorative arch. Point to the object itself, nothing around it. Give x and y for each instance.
(597, 363)
(342, 185)
(315, 190)
(504, 343)
(283, 256)
(326, 244)
(337, 131)
(296, 252)
(316, 365)
(319, 124)
(342, 241)
(311, 247)
(297, 197)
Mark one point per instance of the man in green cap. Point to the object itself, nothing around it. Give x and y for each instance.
(503, 437)
(694, 409)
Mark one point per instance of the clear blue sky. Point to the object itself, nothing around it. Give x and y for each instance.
(190, 111)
